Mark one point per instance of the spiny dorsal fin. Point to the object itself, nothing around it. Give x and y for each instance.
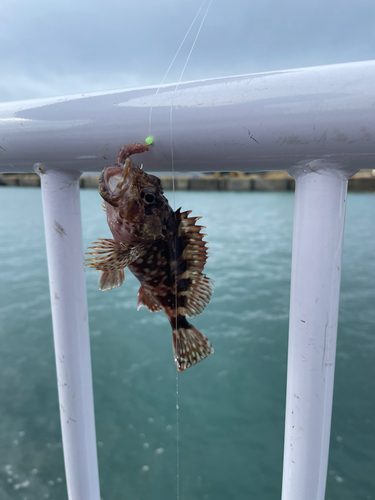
(200, 288)
(146, 299)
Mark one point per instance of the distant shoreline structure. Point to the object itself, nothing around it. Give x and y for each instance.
(362, 181)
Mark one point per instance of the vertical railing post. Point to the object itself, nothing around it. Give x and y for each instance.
(319, 217)
(62, 221)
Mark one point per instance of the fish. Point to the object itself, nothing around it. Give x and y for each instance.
(164, 249)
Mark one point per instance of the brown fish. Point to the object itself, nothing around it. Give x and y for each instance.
(163, 249)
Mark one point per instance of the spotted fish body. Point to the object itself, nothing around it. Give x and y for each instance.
(163, 249)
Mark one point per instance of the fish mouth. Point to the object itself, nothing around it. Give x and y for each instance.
(115, 181)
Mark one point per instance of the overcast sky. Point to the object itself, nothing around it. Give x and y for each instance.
(50, 47)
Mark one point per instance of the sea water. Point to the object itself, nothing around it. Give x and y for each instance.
(231, 406)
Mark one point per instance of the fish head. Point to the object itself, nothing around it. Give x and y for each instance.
(136, 207)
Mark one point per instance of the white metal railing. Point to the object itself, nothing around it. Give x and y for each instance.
(317, 123)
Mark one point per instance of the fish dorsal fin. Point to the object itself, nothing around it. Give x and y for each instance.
(145, 298)
(199, 288)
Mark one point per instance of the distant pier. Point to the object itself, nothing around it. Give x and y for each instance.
(364, 180)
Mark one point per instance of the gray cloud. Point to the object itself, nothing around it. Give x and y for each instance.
(54, 48)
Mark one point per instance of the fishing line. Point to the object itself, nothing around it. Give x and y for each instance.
(177, 442)
(174, 207)
(173, 60)
(195, 41)
(174, 192)
(177, 85)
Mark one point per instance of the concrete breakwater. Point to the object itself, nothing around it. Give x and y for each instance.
(270, 181)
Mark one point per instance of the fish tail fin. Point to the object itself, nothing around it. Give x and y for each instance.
(189, 346)
(111, 279)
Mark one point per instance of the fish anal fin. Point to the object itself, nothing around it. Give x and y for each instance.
(189, 347)
(111, 279)
(145, 298)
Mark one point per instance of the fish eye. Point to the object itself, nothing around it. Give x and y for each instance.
(149, 198)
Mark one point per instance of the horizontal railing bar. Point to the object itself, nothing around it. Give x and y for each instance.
(265, 121)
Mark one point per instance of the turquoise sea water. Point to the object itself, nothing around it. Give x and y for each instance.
(231, 406)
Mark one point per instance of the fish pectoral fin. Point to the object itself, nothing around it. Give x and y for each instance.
(145, 298)
(109, 255)
(189, 347)
(111, 258)
(111, 279)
